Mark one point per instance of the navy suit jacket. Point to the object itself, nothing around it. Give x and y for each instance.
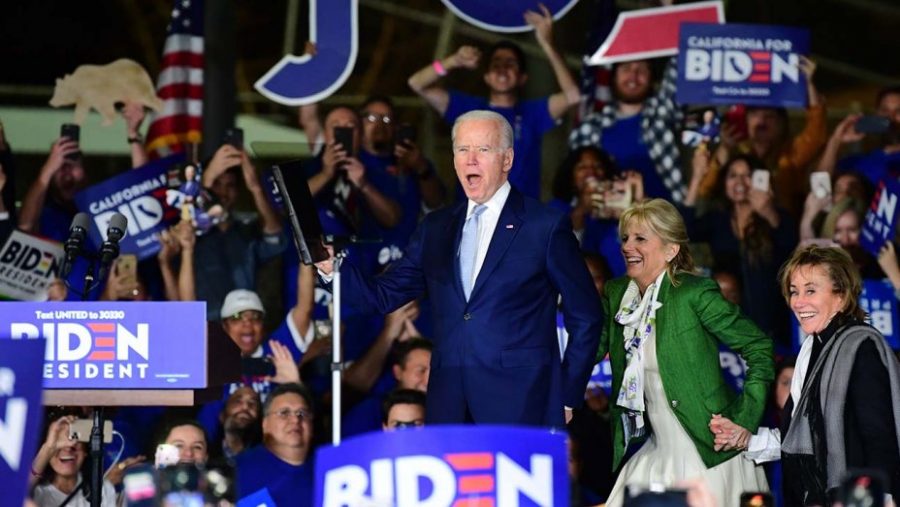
(496, 357)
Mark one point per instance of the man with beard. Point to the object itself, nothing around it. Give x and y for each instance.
(240, 422)
(638, 128)
(49, 204)
(768, 139)
(278, 472)
(505, 76)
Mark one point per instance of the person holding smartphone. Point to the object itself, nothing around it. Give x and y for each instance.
(749, 236)
(60, 473)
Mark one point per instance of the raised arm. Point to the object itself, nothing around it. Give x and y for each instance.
(133, 112)
(569, 97)
(270, 221)
(425, 81)
(30, 215)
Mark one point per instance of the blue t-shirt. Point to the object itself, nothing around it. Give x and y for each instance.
(287, 484)
(623, 140)
(530, 119)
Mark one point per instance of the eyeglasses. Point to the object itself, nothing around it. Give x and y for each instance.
(478, 150)
(286, 413)
(375, 118)
(251, 316)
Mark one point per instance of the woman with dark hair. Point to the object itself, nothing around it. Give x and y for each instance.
(62, 473)
(843, 411)
(747, 234)
(576, 179)
(189, 437)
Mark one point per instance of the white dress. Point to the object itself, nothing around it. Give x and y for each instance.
(669, 455)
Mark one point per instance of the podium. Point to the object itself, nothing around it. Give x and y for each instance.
(223, 366)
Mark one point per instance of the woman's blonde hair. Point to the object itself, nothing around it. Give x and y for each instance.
(842, 272)
(664, 220)
(843, 206)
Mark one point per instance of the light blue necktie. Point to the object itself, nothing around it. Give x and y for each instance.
(468, 249)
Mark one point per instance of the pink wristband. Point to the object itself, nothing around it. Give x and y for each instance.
(439, 68)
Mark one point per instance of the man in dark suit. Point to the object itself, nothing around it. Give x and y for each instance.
(494, 268)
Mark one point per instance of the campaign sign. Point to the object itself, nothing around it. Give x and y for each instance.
(653, 32)
(140, 195)
(28, 265)
(880, 223)
(504, 15)
(21, 412)
(307, 79)
(444, 466)
(878, 301)
(745, 64)
(114, 345)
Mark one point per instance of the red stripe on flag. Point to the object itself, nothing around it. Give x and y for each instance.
(180, 91)
(179, 123)
(182, 58)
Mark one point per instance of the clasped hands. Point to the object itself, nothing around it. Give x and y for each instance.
(728, 435)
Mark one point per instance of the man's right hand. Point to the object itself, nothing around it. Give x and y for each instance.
(62, 148)
(226, 157)
(466, 57)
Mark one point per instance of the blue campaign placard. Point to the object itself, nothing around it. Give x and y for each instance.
(445, 465)
(21, 412)
(114, 345)
(880, 223)
(140, 195)
(741, 64)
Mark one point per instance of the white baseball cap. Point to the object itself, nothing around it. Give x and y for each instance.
(240, 300)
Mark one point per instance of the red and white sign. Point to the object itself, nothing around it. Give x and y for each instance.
(652, 33)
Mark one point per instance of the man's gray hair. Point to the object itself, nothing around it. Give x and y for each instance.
(506, 131)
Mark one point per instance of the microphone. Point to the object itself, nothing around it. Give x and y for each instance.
(109, 249)
(77, 233)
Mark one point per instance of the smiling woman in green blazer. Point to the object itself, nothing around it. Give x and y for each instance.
(663, 330)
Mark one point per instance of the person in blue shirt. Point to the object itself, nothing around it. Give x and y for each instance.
(280, 471)
(505, 75)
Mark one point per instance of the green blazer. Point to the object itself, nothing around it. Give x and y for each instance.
(692, 321)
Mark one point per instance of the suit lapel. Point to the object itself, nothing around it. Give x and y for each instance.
(510, 215)
(454, 230)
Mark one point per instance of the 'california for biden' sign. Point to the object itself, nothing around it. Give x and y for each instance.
(746, 64)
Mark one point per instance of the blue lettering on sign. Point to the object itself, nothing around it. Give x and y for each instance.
(504, 15)
(299, 80)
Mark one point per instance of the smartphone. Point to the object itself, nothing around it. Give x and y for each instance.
(139, 486)
(126, 269)
(862, 488)
(655, 495)
(820, 184)
(71, 131)
(344, 137)
(80, 430)
(256, 366)
(235, 137)
(736, 118)
(757, 499)
(759, 179)
(872, 124)
(406, 132)
(166, 455)
(620, 196)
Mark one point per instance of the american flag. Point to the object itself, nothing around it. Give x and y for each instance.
(180, 83)
(594, 82)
